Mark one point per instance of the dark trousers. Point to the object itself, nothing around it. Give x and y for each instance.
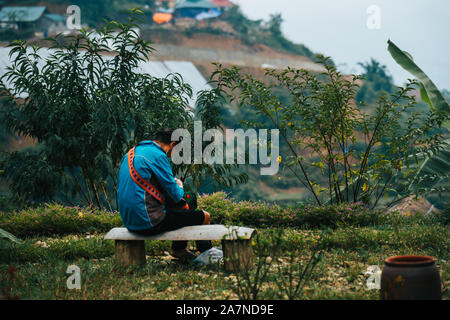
(176, 219)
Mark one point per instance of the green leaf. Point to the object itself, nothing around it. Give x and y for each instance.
(437, 164)
(6, 235)
(424, 95)
(428, 90)
(433, 171)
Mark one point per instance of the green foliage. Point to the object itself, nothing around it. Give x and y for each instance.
(5, 134)
(433, 173)
(446, 94)
(87, 109)
(433, 176)
(293, 272)
(90, 123)
(54, 219)
(444, 217)
(428, 90)
(242, 24)
(263, 215)
(376, 81)
(208, 112)
(35, 178)
(277, 40)
(252, 32)
(323, 129)
(6, 235)
(273, 264)
(249, 282)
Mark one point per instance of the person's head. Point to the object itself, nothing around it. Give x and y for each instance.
(164, 139)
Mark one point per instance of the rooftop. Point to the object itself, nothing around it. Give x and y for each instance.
(55, 17)
(222, 3)
(21, 14)
(195, 4)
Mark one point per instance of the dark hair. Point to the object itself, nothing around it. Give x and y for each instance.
(164, 136)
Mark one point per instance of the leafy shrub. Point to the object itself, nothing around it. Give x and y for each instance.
(259, 214)
(321, 149)
(7, 204)
(442, 217)
(254, 31)
(56, 219)
(84, 129)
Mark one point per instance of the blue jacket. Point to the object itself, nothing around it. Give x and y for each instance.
(138, 209)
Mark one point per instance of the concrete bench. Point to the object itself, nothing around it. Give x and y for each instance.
(236, 244)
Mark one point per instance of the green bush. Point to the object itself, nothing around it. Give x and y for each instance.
(84, 129)
(259, 214)
(396, 136)
(56, 219)
(443, 217)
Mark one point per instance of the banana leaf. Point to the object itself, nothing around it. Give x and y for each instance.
(6, 235)
(429, 93)
(434, 174)
(434, 170)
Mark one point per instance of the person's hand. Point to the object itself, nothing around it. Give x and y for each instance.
(179, 182)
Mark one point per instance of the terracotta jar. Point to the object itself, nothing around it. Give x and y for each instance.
(410, 278)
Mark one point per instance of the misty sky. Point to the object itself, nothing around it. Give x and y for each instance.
(338, 28)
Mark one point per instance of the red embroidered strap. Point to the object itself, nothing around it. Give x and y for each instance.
(141, 182)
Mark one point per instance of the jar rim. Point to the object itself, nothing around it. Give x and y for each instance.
(410, 261)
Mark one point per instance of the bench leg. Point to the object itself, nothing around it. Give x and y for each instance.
(237, 255)
(130, 253)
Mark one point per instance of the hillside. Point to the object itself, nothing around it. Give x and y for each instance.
(203, 49)
(230, 38)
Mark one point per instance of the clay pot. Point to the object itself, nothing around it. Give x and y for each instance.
(410, 278)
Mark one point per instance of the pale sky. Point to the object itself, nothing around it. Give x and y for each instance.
(338, 28)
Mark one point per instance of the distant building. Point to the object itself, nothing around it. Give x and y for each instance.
(37, 19)
(194, 8)
(223, 5)
(20, 18)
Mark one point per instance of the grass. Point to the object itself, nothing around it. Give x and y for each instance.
(41, 265)
(36, 269)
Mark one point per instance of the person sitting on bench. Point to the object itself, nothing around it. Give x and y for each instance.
(151, 199)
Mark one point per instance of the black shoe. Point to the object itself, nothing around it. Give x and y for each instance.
(187, 257)
(203, 245)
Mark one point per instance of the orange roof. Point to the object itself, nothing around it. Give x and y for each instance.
(222, 3)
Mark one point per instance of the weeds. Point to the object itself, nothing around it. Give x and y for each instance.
(249, 282)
